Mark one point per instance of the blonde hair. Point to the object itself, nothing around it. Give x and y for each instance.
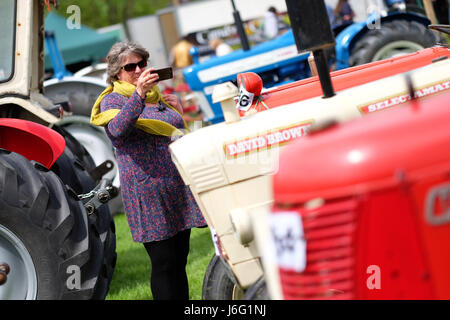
(116, 54)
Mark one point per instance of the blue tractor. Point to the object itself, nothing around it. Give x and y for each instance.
(398, 28)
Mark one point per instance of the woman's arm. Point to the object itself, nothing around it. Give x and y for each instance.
(130, 110)
(173, 101)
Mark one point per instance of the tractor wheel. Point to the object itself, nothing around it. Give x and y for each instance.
(77, 148)
(217, 283)
(392, 39)
(101, 225)
(257, 291)
(44, 234)
(98, 145)
(72, 168)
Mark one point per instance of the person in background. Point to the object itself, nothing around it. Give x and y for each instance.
(271, 23)
(220, 47)
(160, 208)
(343, 12)
(179, 55)
(331, 17)
(181, 58)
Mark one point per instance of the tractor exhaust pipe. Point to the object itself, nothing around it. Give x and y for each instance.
(312, 36)
(321, 61)
(240, 28)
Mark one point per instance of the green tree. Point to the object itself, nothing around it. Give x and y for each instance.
(97, 14)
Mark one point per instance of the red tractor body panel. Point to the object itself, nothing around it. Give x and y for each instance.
(350, 77)
(381, 229)
(33, 141)
(360, 156)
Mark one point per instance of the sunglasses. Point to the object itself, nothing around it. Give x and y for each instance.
(132, 66)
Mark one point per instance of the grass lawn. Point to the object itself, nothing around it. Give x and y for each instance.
(131, 280)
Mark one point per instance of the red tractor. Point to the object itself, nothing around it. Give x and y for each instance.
(362, 209)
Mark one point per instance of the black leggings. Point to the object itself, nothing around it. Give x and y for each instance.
(169, 257)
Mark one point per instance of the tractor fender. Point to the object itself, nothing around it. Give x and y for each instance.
(32, 140)
(347, 38)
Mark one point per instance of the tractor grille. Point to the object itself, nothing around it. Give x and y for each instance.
(329, 232)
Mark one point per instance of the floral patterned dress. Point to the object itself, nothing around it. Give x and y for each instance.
(157, 202)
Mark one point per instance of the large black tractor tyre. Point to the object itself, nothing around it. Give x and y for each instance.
(391, 39)
(218, 283)
(257, 291)
(77, 148)
(101, 225)
(44, 233)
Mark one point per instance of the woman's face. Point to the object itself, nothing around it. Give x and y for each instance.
(130, 76)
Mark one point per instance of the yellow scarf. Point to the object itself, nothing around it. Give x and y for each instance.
(126, 89)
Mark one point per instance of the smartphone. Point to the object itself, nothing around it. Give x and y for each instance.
(164, 73)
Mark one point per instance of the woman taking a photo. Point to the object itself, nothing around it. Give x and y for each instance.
(140, 121)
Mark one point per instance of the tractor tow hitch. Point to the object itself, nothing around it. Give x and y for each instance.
(100, 195)
(103, 168)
